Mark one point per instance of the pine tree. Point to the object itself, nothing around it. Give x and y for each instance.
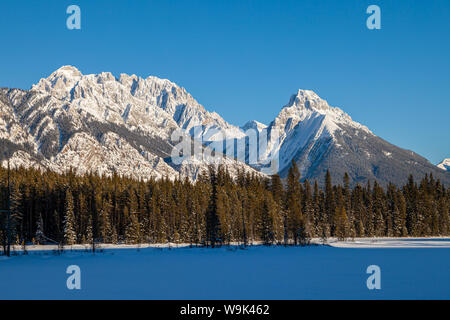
(341, 222)
(212, 220)
(359, 211)
(132, 232)
(316, 219)
(105, 229)
(295, 219)
(39, 236)
(70, 236)
(89, 239)
(267, 223)
(369, 226)
(411, 194)
(14, 216)
(444, 218)
(399, 216)
(329, 202)
(308, 208)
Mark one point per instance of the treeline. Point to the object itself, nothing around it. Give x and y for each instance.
(217, 209)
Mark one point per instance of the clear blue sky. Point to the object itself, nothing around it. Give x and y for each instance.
(245, 58)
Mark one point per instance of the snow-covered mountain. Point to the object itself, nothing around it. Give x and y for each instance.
(102, 123)
(308, 126)
(255, 125)
(320, 137)
(445, 164)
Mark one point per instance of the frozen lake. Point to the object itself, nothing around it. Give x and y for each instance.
(410, 269)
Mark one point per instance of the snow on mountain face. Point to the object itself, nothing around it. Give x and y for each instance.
(10, 128)
(142, 103)
(110, 153)
(444, 165)
(108, 99)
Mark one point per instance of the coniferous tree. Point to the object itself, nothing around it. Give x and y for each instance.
(444, 218)
(70, 236)
(105, 230)
(212, 218)
(316, 224)
(89, 239)
(222, 209)
(369, 225)
(359, 211)
(308, 209)
(267, 220)
(342, 224)
(329, 203)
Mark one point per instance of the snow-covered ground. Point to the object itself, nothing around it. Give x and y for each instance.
(410, 269)
(393, 243)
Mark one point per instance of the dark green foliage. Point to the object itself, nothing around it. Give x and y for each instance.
(216, 210)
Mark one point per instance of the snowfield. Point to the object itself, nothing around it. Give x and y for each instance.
(410, 269)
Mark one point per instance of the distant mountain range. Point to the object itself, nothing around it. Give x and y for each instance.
(100, 123)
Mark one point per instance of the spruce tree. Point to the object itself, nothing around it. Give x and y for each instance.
(89, 239)
(132, 232)
(295, 220)
(70, 236)
(341, 222)
(105, 230)
(267, 223)
(329, 202)
(212, 220)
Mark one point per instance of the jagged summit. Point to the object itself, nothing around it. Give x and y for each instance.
(59, 82)
(306, 102)
(126, 93)
(307, 109)
(253, 124)
(68, 69)
(98, 122)
(320, 137)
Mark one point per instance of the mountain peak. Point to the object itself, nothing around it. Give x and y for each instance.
(67, 71)
(307, 99)
(253, 124)
(307, 93)
(445, 164)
